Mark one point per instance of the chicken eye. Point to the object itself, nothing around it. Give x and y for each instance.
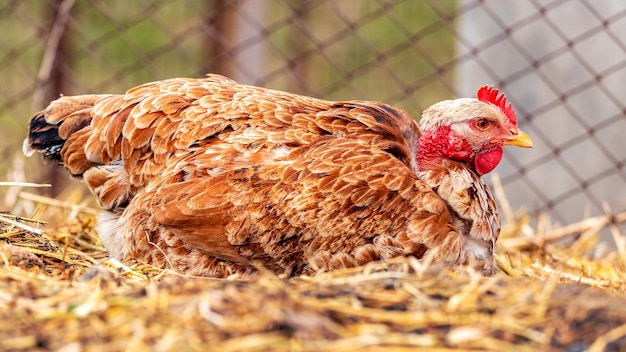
(482, 124)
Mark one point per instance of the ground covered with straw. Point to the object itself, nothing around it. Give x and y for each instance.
(558, 289)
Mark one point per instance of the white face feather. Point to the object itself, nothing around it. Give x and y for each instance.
(451, 112)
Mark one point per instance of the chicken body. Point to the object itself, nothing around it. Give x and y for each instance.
(210, 177)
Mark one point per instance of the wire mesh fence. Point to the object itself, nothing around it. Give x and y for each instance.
(561, 62)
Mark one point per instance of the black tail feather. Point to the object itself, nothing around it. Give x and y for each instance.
(44, 137)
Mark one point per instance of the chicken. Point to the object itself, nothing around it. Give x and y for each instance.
(211, 177)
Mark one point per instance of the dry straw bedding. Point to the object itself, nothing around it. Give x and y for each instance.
(58, 291)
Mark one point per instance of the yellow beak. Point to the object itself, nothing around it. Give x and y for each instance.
(521, 139)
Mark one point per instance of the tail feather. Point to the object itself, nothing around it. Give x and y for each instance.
(43, 137)
(53, 129)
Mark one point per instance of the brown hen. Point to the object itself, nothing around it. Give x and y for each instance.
(211, 177)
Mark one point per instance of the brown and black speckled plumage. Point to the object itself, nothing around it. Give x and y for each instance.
(211, 177)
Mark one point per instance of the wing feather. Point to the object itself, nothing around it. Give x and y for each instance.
(303, 209)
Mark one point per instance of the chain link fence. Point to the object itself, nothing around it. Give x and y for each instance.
(561, 62)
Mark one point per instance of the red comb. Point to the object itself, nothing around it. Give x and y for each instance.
(489, 94)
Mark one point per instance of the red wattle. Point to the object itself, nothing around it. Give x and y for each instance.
(487, 161)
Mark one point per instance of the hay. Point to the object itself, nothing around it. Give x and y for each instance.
(59, 292)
